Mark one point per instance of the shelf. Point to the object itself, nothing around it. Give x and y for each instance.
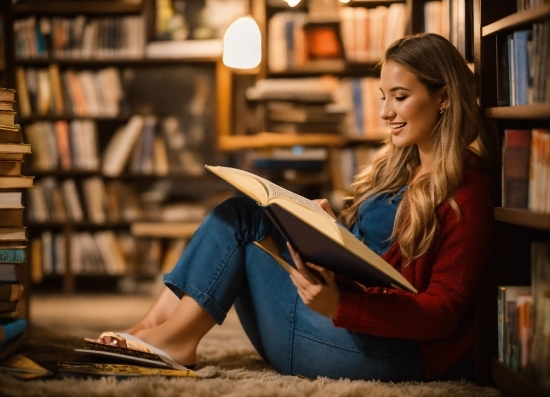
(48, 117)
(538, 112)
(91, 7)
(264, 140)
(514, 383)
(517, 19)
(522, 217)
(116, 62)
(164, 229)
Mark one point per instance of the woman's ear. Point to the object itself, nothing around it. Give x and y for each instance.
(444, 98)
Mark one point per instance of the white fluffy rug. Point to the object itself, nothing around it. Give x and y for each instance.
(228, 366)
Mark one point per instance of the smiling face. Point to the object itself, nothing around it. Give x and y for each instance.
(409, 107)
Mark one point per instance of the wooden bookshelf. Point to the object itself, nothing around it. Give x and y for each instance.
(515, 228)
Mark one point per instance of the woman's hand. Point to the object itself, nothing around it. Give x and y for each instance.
(326, 206)
(316, 286)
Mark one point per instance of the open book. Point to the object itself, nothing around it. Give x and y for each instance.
(155, 358)
(314, 234)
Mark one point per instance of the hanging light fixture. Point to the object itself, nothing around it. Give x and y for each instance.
(292, 3)
(242, 44)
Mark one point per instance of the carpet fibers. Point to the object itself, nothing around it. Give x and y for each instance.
(228, 366)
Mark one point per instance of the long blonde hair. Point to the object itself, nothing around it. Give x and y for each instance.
(436, 63)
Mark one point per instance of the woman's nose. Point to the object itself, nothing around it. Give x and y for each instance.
(386, 113)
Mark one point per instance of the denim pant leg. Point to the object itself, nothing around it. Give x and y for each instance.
(295, 340)
(211, 269)
(221, 266)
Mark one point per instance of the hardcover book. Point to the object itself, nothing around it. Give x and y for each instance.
(317, 237)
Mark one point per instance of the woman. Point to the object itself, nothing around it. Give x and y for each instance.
(425, 205)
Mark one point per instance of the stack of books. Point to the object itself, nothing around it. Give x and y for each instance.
(13, 241)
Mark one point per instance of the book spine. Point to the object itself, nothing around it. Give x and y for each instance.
(15, 255)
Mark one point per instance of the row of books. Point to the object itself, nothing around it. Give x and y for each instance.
(101, 253)
(523, 320)
(524, 78)
(358, 34)
(49, 91)
(98, 201)
(63, 145)
(350, 106)
(526, 169)
(367, 32)
(80, 37)
(147, 145)
(13, 241)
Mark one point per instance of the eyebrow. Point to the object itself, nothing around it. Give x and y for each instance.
(395, 89)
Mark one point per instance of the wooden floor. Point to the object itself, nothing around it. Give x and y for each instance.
(73, 313)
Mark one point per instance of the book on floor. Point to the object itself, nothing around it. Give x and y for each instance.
(153, 358)
(11, 328)
(10, 291)
(22, 367)
(314, 234)
(118, 370)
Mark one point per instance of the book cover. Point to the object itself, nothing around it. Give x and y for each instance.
(10, 168)
(10, 291)
(10, 198)
(10, 347)
(316, 236)
(515, 168)
(8, 306)
(11, 328)
(118, 370)
(21, 367)
(12, 217)
(22, 148)
(153, 357)
(521, 77)
(16, 182)
(13, 233)
(13, 255)
(9, 273)
(10, 134)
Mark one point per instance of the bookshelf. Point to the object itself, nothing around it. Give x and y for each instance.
(358, 139)
(150, 91)
(516, 229)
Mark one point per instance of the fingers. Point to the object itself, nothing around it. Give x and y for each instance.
(302, 268)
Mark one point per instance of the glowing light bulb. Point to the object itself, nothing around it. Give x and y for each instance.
(242, 44)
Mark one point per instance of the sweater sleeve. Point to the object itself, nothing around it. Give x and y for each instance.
(447, 277)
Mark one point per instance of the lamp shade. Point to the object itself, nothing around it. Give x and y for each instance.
(242, 44)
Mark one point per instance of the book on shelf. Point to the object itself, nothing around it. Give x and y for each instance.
(539, 174)
(120, 146)
(148, 356)
(16, 182)
(7, 118)
(520, 69)
(515, 168)
(316, 236)
(514, 325)
(540, 284)
(8, 306)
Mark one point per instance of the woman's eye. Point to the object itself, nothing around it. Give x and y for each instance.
(400, 98)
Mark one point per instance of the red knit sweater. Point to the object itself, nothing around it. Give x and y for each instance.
(447, 277)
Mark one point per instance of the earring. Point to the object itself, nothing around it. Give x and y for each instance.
(442, 110)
